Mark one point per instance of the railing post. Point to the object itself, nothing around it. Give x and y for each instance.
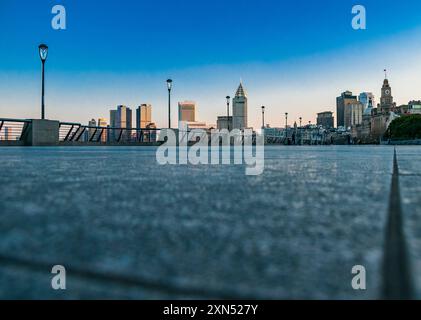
(92, 138)
(68, 134)
(100, 135)
(78, 137)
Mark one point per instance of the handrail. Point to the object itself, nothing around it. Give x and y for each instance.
(15, 120)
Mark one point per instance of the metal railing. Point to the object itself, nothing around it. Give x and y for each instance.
(78, 133)
(12, 130)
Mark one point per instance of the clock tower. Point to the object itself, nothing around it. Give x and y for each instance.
(386, 100)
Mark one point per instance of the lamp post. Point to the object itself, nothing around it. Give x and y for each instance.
(263, 117)
(228, 111)
(43, 53)
(169, 85)
(301, 119)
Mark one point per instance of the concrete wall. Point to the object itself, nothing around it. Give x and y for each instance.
(43, 133)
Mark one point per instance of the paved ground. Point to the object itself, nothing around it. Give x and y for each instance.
(125, 227)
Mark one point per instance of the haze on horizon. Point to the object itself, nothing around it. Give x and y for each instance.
(293, 56)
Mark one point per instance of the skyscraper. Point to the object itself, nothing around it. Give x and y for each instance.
(187, 111)
(121, 119)
(365, 97)
(103, 124)
(143, 116)
(239, 109)
(91, 131)
(343, 113)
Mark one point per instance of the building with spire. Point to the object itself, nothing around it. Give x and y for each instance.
(385, 112)
(386, 101)
(239, 109)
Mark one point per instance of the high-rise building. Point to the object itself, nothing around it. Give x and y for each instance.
(325, 119)
(239, 109)
(121, 119)
(103, 124)
(343, 113)
(356, 113)
(143, 116)
(187, 111)
(91, 131)
(365, 97)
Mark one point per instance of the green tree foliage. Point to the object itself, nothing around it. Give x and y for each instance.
(405, 128)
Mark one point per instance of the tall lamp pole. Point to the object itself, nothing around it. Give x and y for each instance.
(43, 53)
(169, 85)
(228, 111)
(263, 117)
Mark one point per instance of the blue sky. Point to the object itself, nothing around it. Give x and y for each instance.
(294, 56)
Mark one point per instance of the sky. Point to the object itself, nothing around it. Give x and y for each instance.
(293, 56)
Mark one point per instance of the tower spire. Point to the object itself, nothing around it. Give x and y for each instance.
(385, 73)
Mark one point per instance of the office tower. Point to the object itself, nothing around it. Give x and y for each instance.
(121, 119)
(239, 109)
(187, 111)
(365, 97)
(91, 131)
(356, 113)
(143, 116)
(326, 120)
(342, 108)
(103, 130)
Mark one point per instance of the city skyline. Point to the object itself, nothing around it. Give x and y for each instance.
(301, 76)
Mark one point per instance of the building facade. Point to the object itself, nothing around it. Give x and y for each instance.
(342, 108)
(224, 122)
(102, 122)
(187, 111)
(326, 120)
(355, 111)
(120, 119)
(91, 131)
(143, 116)
(239, 109)
(365, 98)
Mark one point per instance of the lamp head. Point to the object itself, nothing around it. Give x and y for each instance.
(43, 52)
(169, 84)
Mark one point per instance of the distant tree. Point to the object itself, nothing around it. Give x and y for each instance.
(405, 128)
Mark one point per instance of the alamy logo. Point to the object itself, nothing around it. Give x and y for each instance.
(359, 280)
(359, 21)
(59, 20)
(214, 148)
(58, 282)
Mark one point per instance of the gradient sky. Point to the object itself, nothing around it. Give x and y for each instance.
(293, 56)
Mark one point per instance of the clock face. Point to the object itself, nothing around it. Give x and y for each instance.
(387, 92)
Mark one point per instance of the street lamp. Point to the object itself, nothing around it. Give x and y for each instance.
(228, 111)
(301, 119)
(43, 53)
(169, 85)
(263, 117)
